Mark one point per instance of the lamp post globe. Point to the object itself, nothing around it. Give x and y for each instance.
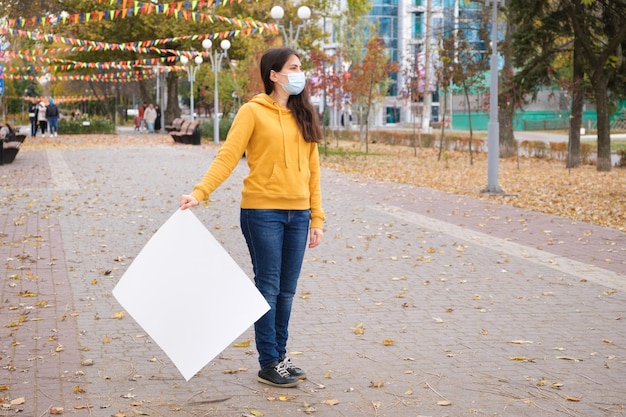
(225, 44)
(291, 39)
(184, 60)
(207, 44)
(304, 13)
(277, 12)
(198, 60)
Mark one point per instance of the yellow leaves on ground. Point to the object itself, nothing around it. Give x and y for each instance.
(245, 343)
(359, 329)
(581, 194)
(119, 315)
(521, 359)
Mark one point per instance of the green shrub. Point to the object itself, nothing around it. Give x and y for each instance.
(81, 126)
(206, 128)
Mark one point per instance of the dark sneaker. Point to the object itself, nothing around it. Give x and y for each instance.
(277, 375)
(293, 369)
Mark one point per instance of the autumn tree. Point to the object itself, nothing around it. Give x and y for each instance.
(601, 31)
(594, 31)
(463, 67)
(413, 93)
(547, 53)
(368, 83)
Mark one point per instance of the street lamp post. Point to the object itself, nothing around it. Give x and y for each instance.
(278, 13)
(191, 75)
(216, 63)
(493, 129)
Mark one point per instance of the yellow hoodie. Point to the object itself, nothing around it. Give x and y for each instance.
(284, 168)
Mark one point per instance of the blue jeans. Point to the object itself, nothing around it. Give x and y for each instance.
(276, 240)
(53, 123)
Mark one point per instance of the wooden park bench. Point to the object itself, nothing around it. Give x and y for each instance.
(175, 125)
(10, 142)
(189, 133)
(14, 133)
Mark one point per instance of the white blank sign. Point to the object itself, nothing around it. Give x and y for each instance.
(188, 294)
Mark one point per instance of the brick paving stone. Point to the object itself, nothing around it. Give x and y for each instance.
(493, 310)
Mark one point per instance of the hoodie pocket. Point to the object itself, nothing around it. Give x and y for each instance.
(288, 182)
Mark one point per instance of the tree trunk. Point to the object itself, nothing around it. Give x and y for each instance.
(469, 121)
(507, 100)
(443, 124)
(600, 84)
(576, 116)
(173, 109)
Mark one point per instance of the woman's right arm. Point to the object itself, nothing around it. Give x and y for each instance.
(226, 160)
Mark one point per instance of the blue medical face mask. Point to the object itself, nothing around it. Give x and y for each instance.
(296, 83)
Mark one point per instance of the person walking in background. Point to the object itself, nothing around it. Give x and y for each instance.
(52, 114)
(281, 204)
(42, 121)
(150, 116)
(157, 121)
(32, 117)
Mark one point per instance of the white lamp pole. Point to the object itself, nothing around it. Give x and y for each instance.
(191, 75)
(493, 130)
(216, 63)
(278, 13)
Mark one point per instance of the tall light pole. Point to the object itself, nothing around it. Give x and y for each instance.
(493, 129)
(278, 13)
(191, 75)
(216, 63)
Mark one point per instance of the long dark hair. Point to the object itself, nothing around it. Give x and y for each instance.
(300, 105)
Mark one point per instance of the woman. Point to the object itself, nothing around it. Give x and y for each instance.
(281, 204)
(32, 116)
(150, 116)
(42, 121)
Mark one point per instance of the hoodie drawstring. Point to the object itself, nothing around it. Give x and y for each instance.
(282, 129)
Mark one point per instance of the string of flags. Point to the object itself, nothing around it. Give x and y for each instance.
(132, 70)
(145, 47)
(179, 10)
(61, 99)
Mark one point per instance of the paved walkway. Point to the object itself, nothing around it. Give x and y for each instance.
(418, 303)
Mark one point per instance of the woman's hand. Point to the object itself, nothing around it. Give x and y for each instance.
(315, 237)
(187, 201)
